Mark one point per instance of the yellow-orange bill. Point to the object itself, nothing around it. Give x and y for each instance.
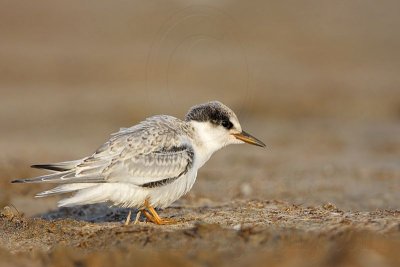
(245, 137)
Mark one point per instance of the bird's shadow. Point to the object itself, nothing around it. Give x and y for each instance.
(94, 213)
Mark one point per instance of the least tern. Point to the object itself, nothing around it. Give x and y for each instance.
(149, 165)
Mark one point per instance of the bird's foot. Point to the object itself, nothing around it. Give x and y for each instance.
(157, 219)
(152, 216)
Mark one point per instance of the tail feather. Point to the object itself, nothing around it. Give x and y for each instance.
(65, 188)
(58, 167)
(58, 177)
(90, 195)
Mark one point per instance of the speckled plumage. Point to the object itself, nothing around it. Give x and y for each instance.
(152, 153)
(155, 161)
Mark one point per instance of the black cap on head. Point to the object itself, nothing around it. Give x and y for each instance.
(214, 112)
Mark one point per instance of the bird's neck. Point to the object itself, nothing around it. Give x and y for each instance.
(206, 141)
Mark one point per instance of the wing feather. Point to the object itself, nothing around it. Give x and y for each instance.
(150, 152)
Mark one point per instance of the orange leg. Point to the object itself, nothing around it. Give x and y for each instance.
(153, 216)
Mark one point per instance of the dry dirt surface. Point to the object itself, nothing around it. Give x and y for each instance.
(230, 234)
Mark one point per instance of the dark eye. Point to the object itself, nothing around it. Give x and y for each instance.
(227, 124)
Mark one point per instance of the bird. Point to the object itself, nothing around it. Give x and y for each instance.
(149, 165)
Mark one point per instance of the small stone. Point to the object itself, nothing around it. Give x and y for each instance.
(7, 212)
(237, 227)
(330, 207)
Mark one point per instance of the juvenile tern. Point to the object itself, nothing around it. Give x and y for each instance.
(149, 165)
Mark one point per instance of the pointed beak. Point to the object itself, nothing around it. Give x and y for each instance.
(245, 137)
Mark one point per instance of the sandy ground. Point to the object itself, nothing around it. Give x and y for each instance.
(230, 234)
(317, 81)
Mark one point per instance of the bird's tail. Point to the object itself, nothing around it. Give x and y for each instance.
(58, 177)
(60, 166)
(91, 194)
(65, 188)
(62, 173)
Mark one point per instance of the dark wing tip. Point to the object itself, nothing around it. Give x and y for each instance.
(49, 167)
(40, 166)
(18, 181)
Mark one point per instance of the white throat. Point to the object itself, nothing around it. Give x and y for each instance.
(208, 139)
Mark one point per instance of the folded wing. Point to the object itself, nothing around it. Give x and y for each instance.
(147, 154)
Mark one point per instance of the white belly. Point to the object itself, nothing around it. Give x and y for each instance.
(132, 196)
(164, 196)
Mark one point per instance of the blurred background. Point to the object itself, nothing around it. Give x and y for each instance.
(317, 81)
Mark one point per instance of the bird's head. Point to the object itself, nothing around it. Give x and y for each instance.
(218, 126)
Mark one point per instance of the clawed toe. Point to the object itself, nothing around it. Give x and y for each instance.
(151, 215)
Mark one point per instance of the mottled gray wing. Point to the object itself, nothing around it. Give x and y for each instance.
(151, 152)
